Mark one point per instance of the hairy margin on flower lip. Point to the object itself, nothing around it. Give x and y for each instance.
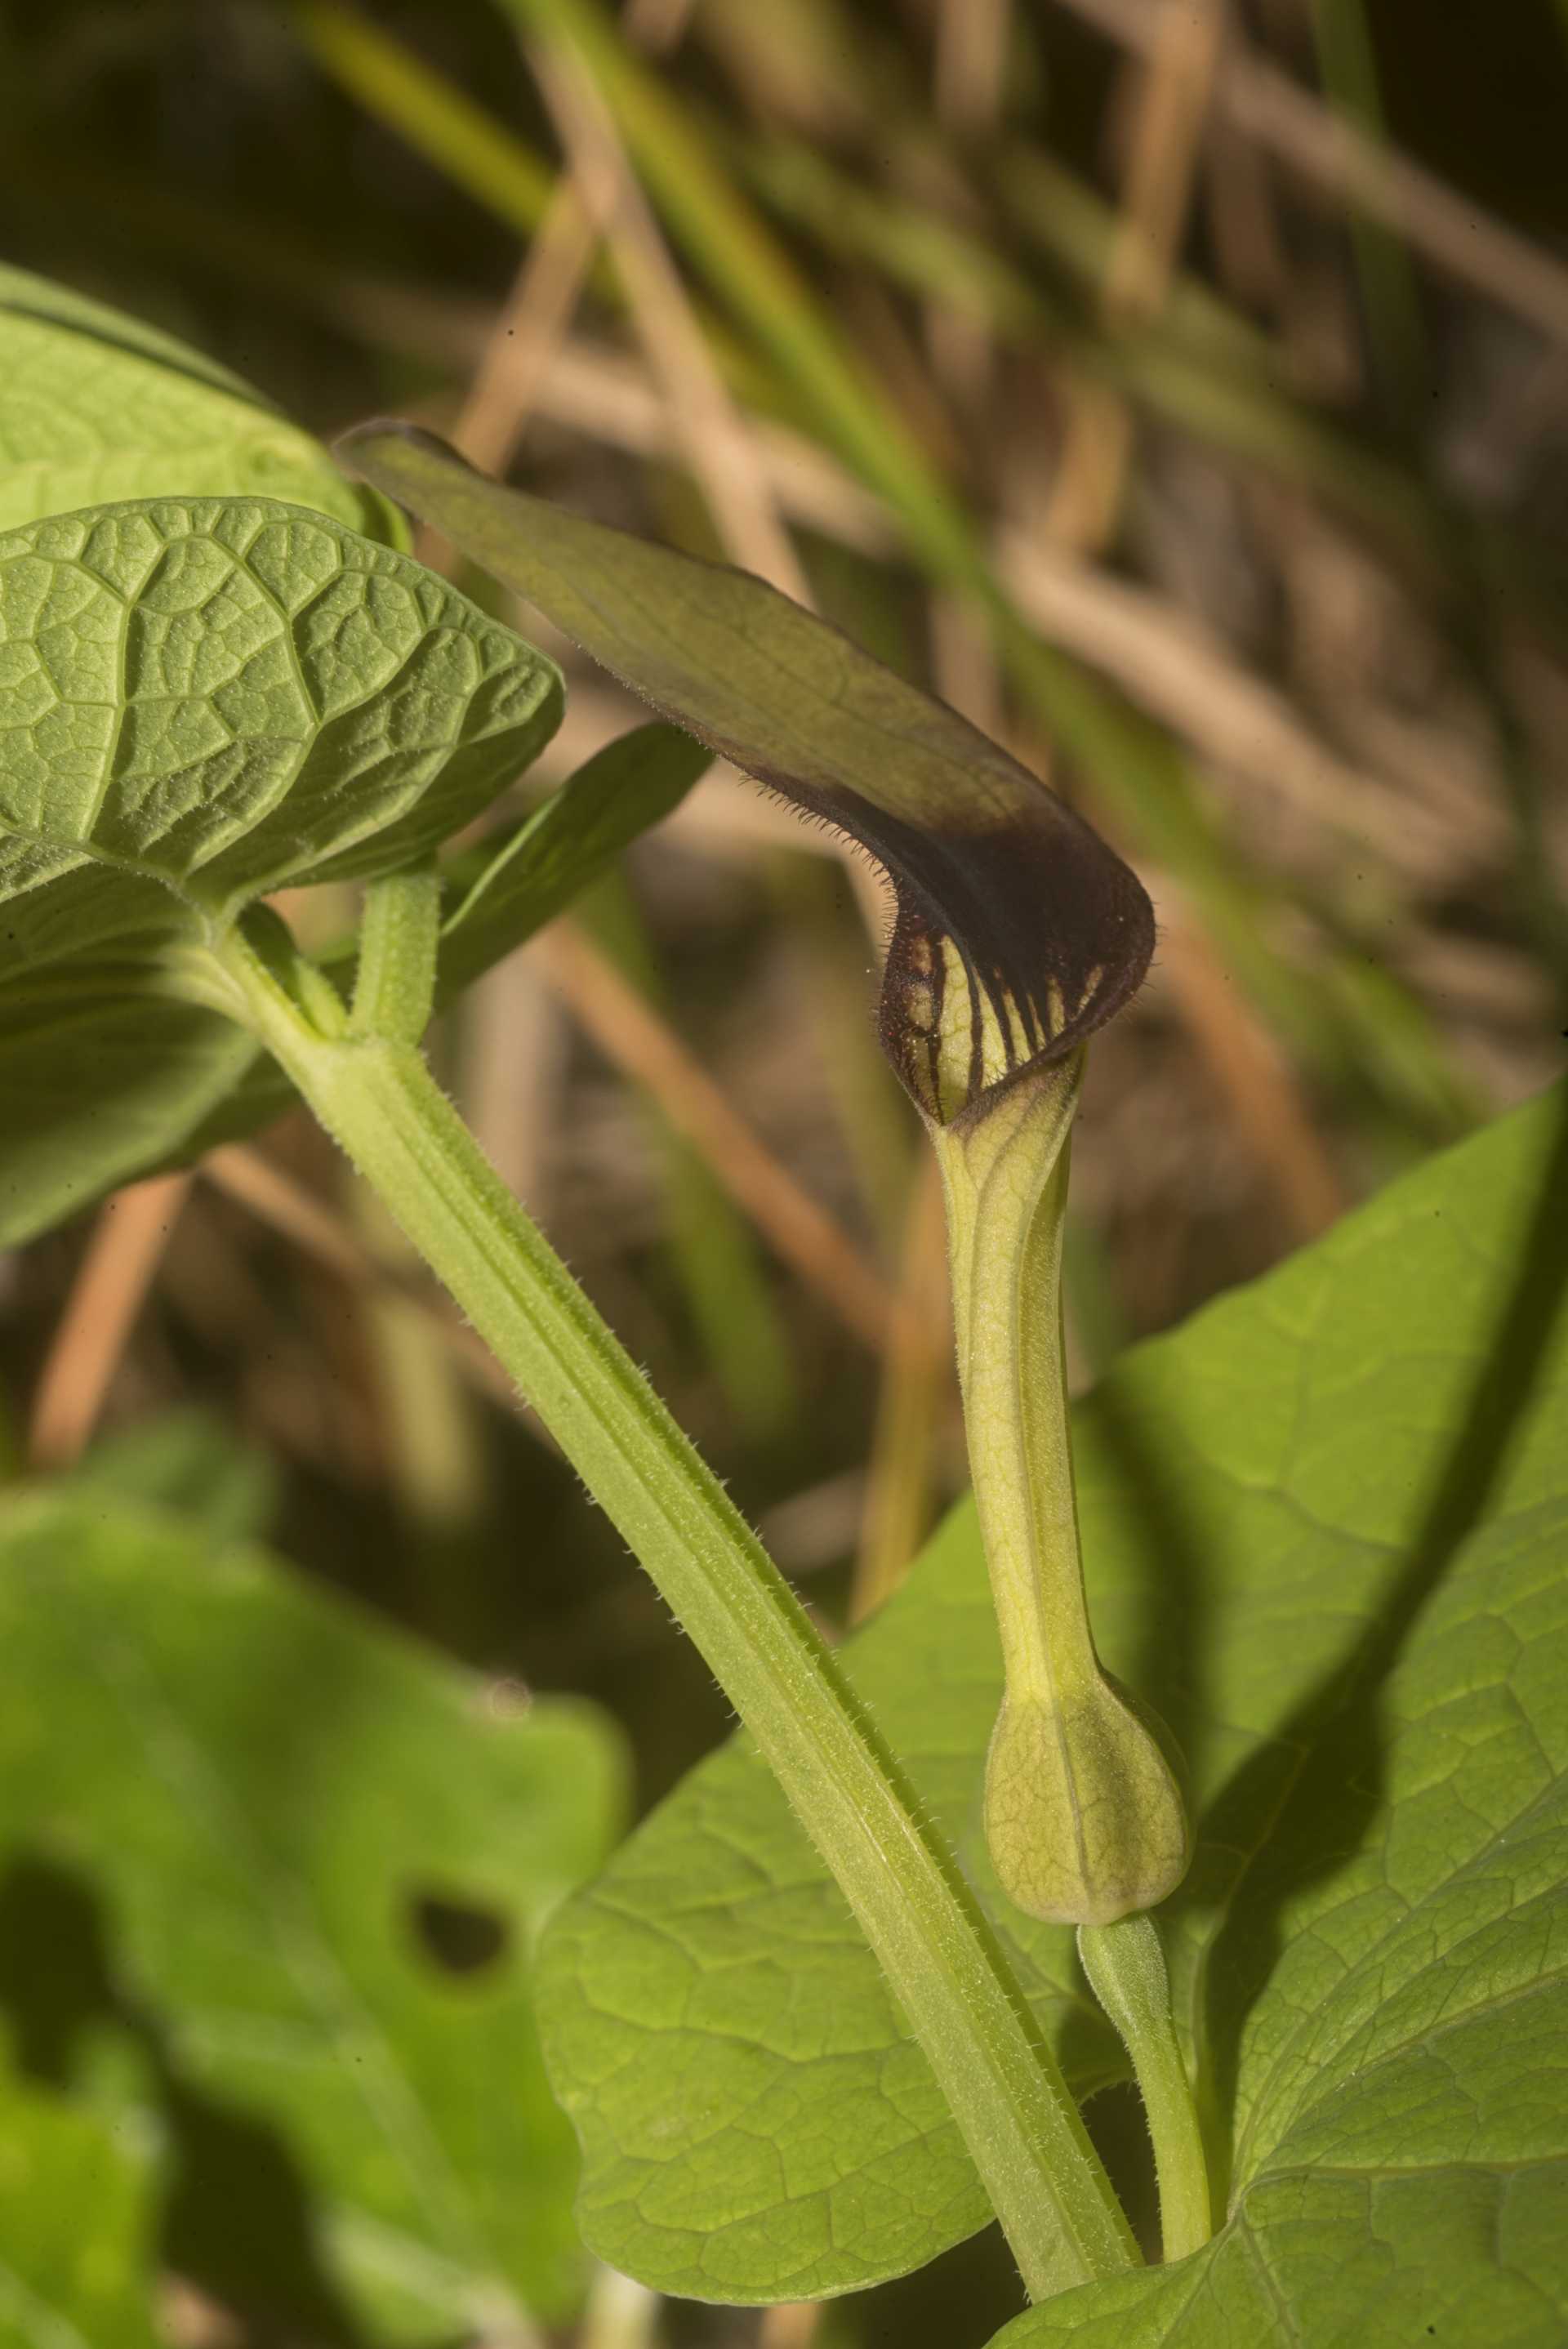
(1000, 887)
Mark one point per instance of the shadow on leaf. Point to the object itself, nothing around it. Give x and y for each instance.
(1323, 1779)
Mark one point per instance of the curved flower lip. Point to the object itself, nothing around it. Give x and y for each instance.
(1001, 889)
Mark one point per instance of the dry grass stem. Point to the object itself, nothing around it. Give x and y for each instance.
(131, 1233)
(903, 1477)
(1175, 81)
(964, 665)
(514, 1061)
(973, 39)
(1162, 159)
(318, 1231)
(656, 26)
(792, 2324)
(620, 2314)
(1243, 217)
(547, 291)
(636, 1042)
(818, 1526)
(1259, 1092)
(705, 424)
(1183, 57)
(1169, 663)
(971, 43)
(295, 1213)
(536, 314)
(1455, 234)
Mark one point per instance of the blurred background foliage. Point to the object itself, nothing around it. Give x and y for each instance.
(1176, 386)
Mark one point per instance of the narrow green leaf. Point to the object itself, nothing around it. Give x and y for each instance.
(245, 1811)
(96, 405)
(1019, 930)
(475, 150)
(569, 838)
(1324, 1529)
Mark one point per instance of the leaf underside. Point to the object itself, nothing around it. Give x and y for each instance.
(223, 1797)
(1324, 1527)
(202, 701)
(1018, 931)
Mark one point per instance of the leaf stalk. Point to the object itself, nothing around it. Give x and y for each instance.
(395, 986)
(378, 1099)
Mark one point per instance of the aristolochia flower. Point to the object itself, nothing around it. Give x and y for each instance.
(1018, 932)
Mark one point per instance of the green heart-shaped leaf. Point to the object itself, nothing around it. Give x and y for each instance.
(1389, 1992)
(228, 1806)
(201, 700)
(1324, 1529)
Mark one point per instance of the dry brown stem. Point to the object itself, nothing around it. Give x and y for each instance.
(639, 1043)
(1456, 233)
(132, 1231)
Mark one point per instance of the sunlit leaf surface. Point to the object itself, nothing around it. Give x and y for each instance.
(1324, 1528)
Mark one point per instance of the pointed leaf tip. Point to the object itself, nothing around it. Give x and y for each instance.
(1018, 931)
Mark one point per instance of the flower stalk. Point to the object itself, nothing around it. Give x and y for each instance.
(1125, 1970)
(1084, 1819)
(1018, 934)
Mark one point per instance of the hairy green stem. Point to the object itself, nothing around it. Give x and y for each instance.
(379, 1100)
(395, 986)
(1125, 1968)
